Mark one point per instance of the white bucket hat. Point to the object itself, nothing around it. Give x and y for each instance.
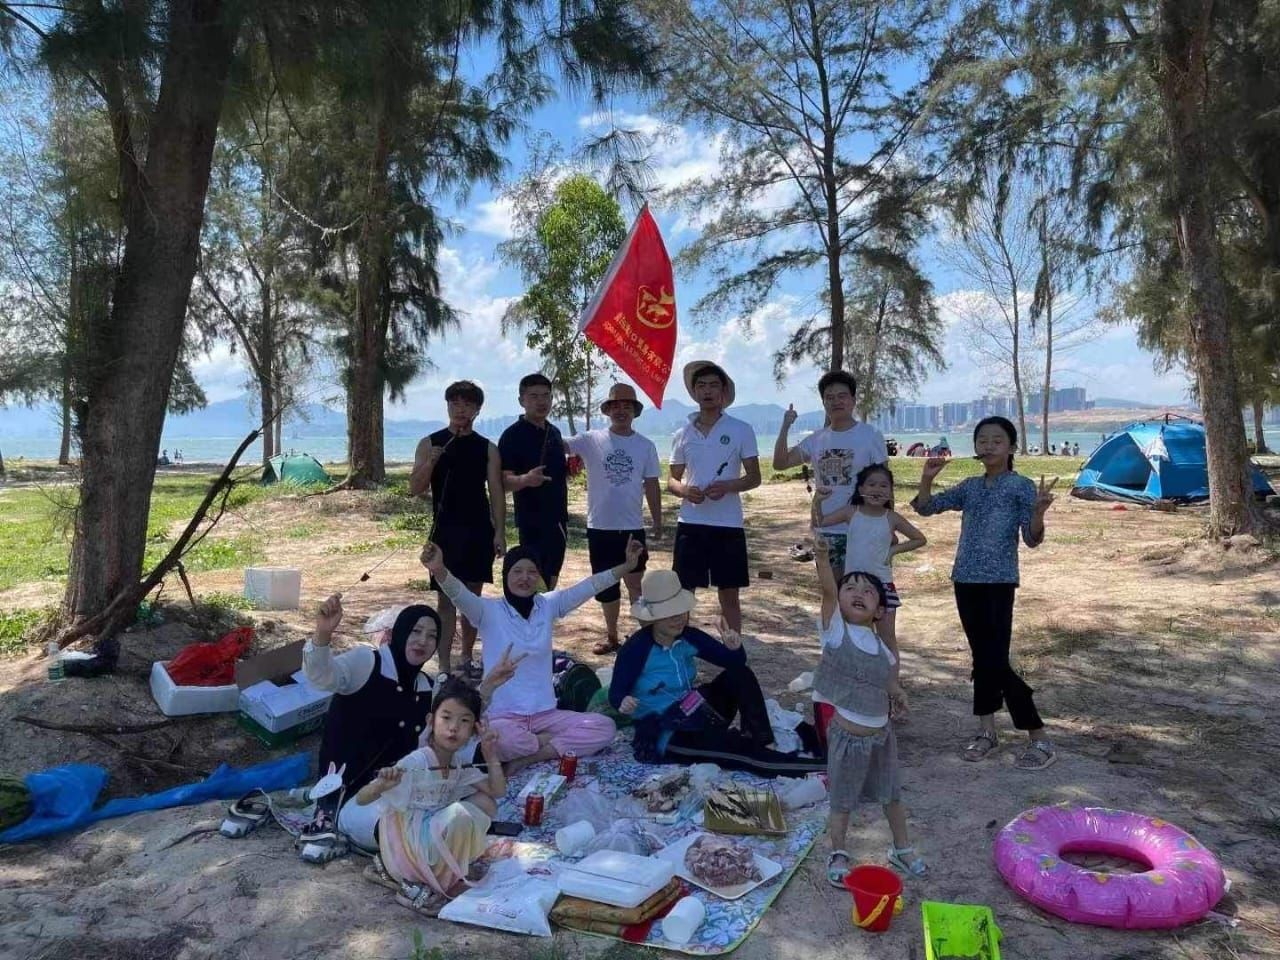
(661, 596)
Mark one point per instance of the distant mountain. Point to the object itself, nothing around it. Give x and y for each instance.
(236, 417)
(1114, 403)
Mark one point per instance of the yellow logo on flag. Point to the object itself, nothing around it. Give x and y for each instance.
(653, 311)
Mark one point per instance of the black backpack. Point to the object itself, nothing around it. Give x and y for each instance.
(574, 682)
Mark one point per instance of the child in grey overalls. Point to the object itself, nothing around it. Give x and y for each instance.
(858, 676)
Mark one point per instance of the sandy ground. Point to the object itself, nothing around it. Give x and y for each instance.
(1154, 656)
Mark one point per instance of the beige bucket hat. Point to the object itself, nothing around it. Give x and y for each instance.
(622, 391)
(661, 596)
(692, 368)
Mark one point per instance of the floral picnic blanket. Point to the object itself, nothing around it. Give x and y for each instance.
(613, 773)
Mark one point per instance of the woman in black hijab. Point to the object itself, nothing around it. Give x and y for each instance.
(517, 633)
(380, 705)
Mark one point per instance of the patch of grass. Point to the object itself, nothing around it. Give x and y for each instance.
(219, 602)
(18, 628)
(373, 546)
(218, 554)
(421, 585)
(301, 531)
(34, 537)
(411, 521)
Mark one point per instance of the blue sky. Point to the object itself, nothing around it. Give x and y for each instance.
(478, 285)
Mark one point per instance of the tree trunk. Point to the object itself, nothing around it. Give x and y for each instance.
(1259, 438)
(586, 410)
(64, 447)
(568, 409)
(368, 340)
(279, 425)
(132, 355)
(2, 471)
(1184, 35)
(1048, 353)
(267, 374)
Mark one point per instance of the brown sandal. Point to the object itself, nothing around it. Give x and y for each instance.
(423, 900)
(375, 872)
(981, 745)
(611, 645)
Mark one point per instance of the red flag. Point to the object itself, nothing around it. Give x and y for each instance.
(632, 316)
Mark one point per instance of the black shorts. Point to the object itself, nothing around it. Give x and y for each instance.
(607, 549)
(707, 556)
(549, 544)
(468, 552)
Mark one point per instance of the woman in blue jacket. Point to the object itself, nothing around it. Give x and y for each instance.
(678, 720)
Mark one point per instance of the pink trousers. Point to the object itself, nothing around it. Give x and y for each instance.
(580, 733)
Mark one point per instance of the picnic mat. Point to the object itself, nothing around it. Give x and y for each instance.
(613, 773)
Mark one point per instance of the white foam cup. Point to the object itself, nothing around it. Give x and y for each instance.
(570, 840)
(683, 921)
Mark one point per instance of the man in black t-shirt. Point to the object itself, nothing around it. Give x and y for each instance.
(457, 465)
(533, 468)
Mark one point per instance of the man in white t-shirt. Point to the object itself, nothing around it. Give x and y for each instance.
(713, 461)
(622, 465)
(837, 452)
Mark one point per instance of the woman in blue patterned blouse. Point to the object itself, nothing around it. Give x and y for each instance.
(996, 507)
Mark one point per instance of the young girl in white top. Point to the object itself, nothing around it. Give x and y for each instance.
(858, 676)
(432, 809)
(870, 546)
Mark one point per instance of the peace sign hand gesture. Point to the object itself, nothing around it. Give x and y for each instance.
(503, 670)
(1044, 495)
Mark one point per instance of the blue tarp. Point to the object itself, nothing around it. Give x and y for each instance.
(1152, 460)
(63, 797)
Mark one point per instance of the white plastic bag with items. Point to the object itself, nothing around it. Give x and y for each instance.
(519, 904)
(590, 805)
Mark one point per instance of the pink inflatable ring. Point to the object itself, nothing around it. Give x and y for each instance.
(1182, 883)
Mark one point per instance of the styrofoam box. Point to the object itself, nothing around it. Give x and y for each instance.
(277, 708)
(273, 588)
(176, 701)
(618, 879)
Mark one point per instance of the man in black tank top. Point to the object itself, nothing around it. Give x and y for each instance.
(468, 509)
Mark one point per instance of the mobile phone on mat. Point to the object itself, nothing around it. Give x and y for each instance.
(506, 828)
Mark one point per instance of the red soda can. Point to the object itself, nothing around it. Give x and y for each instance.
(533, 810)
(569, 765)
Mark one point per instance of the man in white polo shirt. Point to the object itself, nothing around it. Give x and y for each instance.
(713, 461)
(622, 467)
(837, 451)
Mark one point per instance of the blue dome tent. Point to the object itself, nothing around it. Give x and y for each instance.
(1152, 460)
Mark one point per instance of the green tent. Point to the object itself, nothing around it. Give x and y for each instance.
(297, 468)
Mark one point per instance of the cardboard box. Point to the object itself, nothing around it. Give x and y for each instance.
(550, 785)
(277, 740)
(269, 699)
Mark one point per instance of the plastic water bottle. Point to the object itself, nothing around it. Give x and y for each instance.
(57, 673)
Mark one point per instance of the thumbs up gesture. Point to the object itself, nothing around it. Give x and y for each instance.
(789, 416)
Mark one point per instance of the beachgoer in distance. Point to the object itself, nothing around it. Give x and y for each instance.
(518, 627)
(858, 675)
(622, 469)
(996, 506)
(871, 536)
(428, 815)
(533, 468)
(656, 671)
(837, 452)
(714, 460)
(458, 466)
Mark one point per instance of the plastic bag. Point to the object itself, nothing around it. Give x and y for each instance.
(784, 723)
(520, 904)
(624, 836)
(210, 664)
(587, 804)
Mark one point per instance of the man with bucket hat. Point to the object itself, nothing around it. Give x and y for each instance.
(677, 721)
(622, 465)
(714, 460)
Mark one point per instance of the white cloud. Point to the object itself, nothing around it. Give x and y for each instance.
(222, 374)
(494, 218)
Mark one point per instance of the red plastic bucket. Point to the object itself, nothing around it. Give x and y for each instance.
(876, 896)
